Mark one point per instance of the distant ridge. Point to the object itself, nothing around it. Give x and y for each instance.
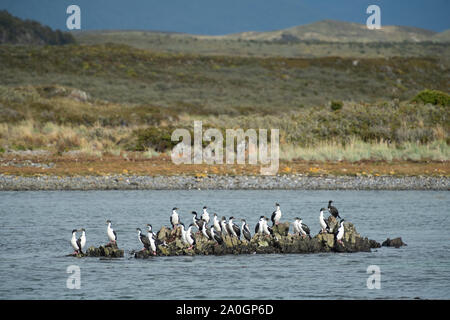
(339, 31)
(442, 36)
(17, 31)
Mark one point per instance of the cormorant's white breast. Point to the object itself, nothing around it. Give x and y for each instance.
(112, 235)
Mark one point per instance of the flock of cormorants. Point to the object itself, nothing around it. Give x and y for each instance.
(218, 229)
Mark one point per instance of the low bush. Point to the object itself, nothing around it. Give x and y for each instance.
(435, 97)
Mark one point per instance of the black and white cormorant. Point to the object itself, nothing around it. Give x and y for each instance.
(333, 211)
(174, 218)
(216, 223)
(190, 238)
(112, 235)
(259, 228)
(205, 215)
(82, 240)
(78, 244)
(153, 241)
(303, 229)
(267, 230)
(224, 226)
(198, 223)
(296, 226)
(323, 223)
(276, 215)
(143, 239)
(233, 228)
(216, 236)
(150, 231)
(206, 231)
(340, 233)
(183, 234)
(73, 241)
(245, 230)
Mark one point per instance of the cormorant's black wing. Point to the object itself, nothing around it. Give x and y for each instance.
(257, 228)
(227, 226)
(208, 232)
(334, 212)
(218, 238)
(273, 217)
(247, 234)
(237, 231)
(115, 235)
(79, 244)
(306, 228)
(145, 241)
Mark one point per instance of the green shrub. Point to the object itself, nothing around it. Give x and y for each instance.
(158, 139)
(435, 97)
(336, 105)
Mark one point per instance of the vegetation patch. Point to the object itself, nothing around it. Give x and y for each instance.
(435, 97)
(17, 31)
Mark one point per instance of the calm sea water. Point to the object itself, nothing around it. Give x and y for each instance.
(36, 230)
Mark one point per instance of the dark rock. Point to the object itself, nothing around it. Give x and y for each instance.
(361, 245)
(397, 243)
(281, 229)
(326, 240)
(164, 234)
(143, 254)
(373, 244)
(109, 250)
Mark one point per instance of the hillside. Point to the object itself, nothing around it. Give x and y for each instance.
(442, 36)
(218, 83)
(14, 30)
(339, 31)
(320, 39)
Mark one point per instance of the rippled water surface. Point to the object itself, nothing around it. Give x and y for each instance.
(36, 230)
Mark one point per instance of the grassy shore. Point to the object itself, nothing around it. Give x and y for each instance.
(103, 109)
(64, 121)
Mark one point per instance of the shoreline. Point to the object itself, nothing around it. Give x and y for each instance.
(221, 182)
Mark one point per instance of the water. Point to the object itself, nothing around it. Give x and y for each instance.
(36, 229)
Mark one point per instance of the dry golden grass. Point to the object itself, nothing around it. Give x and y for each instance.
(357, 150)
